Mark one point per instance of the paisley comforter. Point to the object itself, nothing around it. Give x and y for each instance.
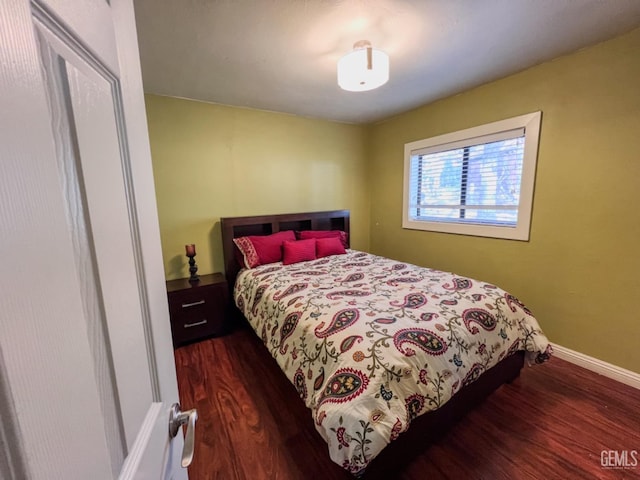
(371, 343)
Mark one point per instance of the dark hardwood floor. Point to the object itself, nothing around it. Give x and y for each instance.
(553, 422)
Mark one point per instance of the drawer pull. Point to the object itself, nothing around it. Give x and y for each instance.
(195, 324)
(187, 305)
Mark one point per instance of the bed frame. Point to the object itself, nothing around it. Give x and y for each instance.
(426, 428)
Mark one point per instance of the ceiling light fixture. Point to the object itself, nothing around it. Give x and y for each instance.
(363, 69)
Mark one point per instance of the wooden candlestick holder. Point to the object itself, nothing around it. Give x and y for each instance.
(193, 268)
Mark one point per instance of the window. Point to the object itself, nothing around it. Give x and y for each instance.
(477, 181)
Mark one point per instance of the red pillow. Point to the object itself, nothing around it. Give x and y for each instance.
(325, 234)
(260, 249)
(329, 246)
(299, 251)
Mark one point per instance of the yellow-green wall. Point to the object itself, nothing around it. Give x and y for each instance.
(212, 161)
(580, 270)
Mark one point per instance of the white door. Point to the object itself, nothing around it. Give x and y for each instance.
(87, 375)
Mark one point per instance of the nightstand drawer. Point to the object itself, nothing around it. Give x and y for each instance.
(197, 310)
(194, 326)
(186, 302)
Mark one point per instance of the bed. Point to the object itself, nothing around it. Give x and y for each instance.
(373, 345)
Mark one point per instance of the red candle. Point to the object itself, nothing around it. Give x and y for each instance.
(191, 250)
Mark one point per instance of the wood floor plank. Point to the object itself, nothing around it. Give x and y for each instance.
(552, 422)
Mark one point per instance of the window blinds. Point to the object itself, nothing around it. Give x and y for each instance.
(474, 180)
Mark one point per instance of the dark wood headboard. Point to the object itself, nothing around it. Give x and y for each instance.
(233, 227)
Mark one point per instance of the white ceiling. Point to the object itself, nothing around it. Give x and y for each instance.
(281, 55)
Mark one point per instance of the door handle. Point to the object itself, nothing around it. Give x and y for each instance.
(177, 418)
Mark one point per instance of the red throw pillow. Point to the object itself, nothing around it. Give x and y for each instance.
(305, 234)
(299, 251)
(261, 249)
(329, 246)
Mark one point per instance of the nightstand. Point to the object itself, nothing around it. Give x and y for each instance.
(198, 309)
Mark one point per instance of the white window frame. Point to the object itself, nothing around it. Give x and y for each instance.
(531, 124)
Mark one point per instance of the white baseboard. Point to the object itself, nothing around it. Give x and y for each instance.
(603, 368)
